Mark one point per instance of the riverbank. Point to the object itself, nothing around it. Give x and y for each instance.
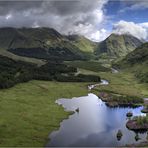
(29, 113)
(123, 83)
(123, 90)
(120, 100)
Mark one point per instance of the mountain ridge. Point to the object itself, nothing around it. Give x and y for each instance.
(116, 45)
(47, 43)
(43, 43)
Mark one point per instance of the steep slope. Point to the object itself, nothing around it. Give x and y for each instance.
(82, 43)
(139, 55)
(137, 62)
(117, 45)
(44, 43)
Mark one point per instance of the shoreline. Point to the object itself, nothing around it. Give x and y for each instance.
(135, 126)
(114, 99)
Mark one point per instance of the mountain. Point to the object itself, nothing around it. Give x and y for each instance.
(42, 43)
(82, 43)
(48, 44)
(137, 62)
(117, 45)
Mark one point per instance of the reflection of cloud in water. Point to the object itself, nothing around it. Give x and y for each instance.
(97, 139)
(94, 125)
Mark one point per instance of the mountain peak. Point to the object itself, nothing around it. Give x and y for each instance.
(118, 45)
(122, 35)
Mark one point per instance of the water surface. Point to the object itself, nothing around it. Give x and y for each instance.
(94, 125)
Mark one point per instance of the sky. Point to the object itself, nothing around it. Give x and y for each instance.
(94, 19)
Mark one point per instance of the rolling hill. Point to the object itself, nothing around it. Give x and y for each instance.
(116, 46)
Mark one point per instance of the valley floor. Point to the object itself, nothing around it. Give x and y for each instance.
(124, 83)
(28, 111)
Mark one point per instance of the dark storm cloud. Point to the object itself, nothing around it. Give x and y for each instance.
(67, 16)
(58, 7)
(72, 7)
(16, 6)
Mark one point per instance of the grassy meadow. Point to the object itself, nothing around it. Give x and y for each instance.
(123, 82)
(28, 112)
(88, 65)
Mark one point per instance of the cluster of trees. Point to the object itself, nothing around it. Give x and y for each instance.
(78, 78)
(13, 72)
(48, 53)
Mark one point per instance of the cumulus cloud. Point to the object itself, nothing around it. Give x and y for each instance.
(138, 30)
(145, 25)
(83, 17)
(99, 35)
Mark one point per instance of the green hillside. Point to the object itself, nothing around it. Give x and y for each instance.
(15, 57)
(47, 43)
(88, 65)
(117, 46)
(43, 43)
(137, 62)
(82, 43)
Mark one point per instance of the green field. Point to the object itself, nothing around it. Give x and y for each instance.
(28, 112)
(124, 83)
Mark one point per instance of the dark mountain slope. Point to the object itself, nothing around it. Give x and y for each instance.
(139, 55)
(137, 62)
(43, 43)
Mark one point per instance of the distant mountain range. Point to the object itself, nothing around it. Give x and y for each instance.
(117, 46)
(47, 43)
(39, 46)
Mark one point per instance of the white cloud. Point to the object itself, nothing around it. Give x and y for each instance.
(145, 25)
(135, 5)
(99, 35)
(138, 30)
(143, 4)
(8, 16)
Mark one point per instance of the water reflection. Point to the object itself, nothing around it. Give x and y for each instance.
(94, 125)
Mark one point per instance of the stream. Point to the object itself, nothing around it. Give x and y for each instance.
(95, 124)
